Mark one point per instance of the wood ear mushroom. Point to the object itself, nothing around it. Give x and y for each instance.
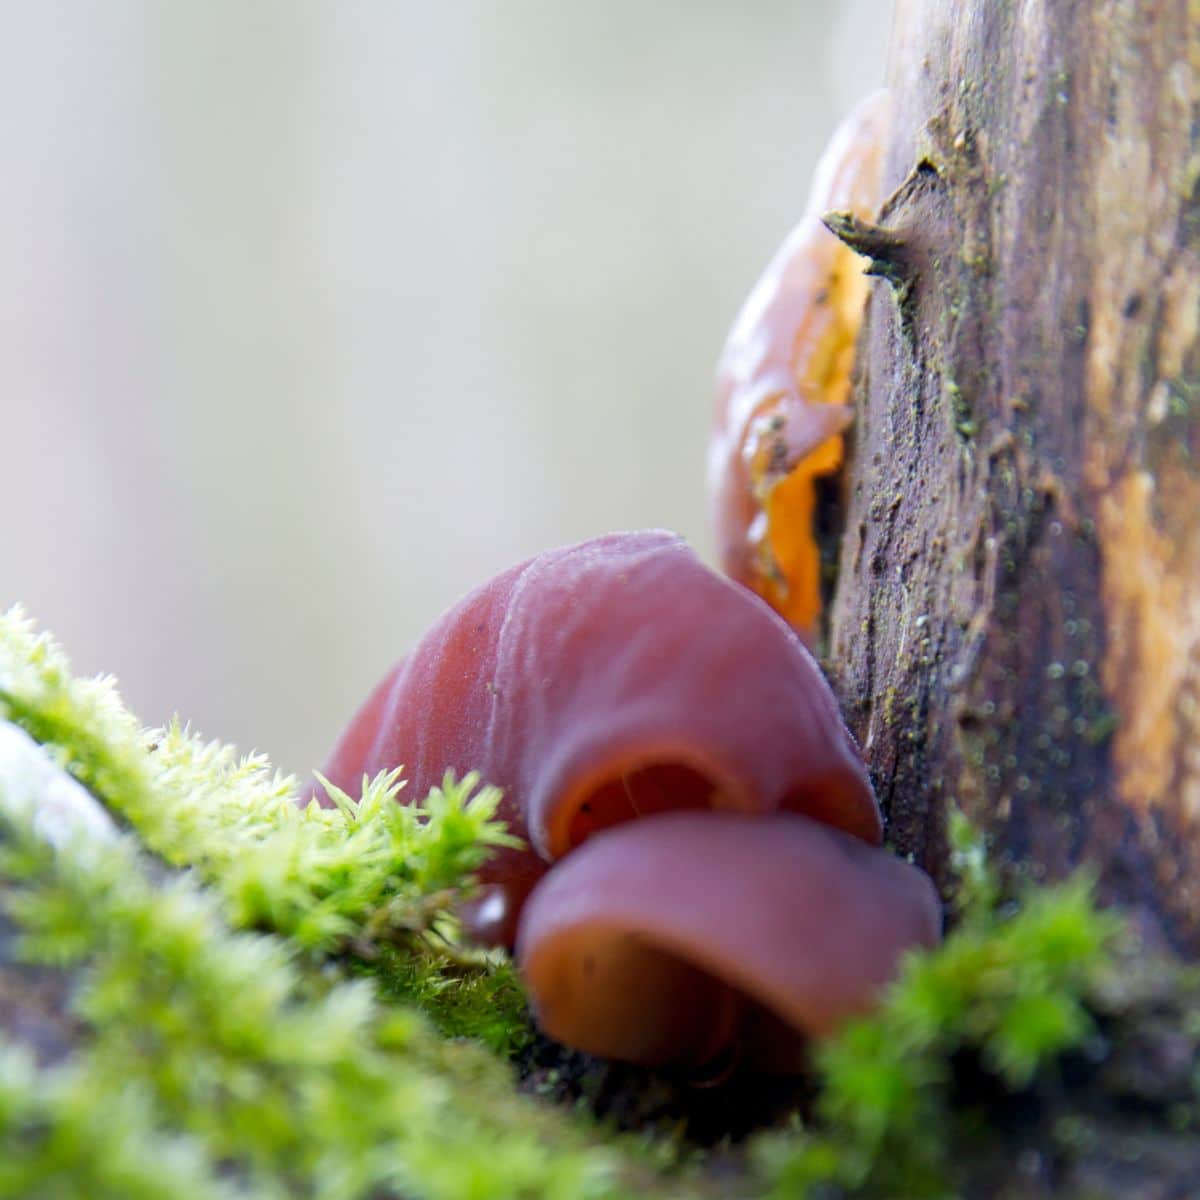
(783, 383)
(702, 866)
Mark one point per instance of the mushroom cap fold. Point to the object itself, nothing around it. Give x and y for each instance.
(681, 935)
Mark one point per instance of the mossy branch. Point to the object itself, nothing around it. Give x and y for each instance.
(212, 1039)
(212, 1060)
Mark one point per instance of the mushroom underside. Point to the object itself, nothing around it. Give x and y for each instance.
(620, 779)
(686, 937)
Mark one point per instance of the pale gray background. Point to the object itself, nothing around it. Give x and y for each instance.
(314, 315)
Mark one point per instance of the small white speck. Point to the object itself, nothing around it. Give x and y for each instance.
(492, 910)
(1157, 404)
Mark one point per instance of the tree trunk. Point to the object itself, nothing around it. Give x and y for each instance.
(1016, 624)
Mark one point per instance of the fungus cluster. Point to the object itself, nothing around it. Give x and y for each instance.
(702, 872)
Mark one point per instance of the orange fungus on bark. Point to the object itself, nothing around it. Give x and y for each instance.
(783, 383)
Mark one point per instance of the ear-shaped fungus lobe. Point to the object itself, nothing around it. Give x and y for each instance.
(684, 935)
(621, 679)
(646, 681)
(783, 382)
(605, 680)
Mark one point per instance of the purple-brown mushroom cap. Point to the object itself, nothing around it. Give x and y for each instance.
(701, 836)
(604, 681)
(686, 936)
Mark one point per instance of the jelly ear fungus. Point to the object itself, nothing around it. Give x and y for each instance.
(701, 866)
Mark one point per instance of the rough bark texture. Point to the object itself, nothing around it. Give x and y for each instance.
(1016, 625)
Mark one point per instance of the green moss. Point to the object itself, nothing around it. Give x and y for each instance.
(218, 1047)
(222, 1051)
(354, 878)
(1006, 992)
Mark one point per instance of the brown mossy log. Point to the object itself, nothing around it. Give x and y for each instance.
(1016, 621)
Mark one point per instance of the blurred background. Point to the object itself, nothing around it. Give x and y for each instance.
(315, 315)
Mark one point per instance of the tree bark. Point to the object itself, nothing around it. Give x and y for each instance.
(1016, 622)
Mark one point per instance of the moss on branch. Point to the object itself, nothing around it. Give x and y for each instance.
(250, 999)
